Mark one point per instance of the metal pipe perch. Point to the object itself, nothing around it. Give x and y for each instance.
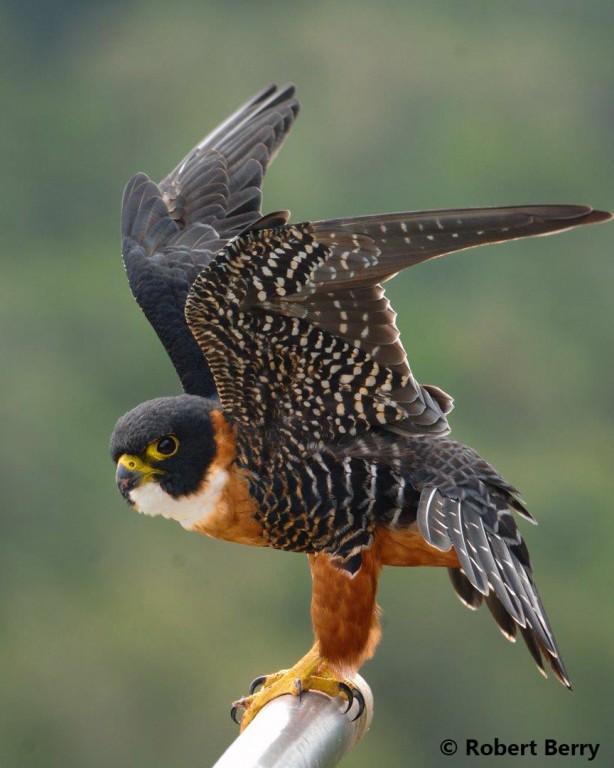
(292, 733)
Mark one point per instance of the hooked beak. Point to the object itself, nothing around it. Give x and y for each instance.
(132, 472)
(126, 479)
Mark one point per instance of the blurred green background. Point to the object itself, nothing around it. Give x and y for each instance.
(124, 639)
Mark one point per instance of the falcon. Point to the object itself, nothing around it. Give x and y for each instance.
(301, 426)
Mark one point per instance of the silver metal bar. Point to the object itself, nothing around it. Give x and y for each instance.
(289, 733)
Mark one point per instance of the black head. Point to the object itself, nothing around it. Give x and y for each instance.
(169, 440)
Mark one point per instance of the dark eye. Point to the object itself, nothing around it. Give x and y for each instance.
(167, 445)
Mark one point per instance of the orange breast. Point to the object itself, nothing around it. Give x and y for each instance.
(233, 516)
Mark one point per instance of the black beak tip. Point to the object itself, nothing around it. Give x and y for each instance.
(126, 480)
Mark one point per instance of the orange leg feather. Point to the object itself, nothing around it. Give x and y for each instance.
(345, 621)
(344, 612)
(343, 608)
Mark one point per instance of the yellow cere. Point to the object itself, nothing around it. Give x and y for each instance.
(134, 463)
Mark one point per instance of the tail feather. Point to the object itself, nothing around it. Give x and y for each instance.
(471, 598)
(466, 504)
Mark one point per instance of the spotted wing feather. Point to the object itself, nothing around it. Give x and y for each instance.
(326, 275)
(270, 367)
(344, 295)
(400, 240)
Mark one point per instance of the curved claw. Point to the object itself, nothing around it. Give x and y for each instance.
(255, 683)
(361, 703)
(233, 714)
(350, 696)
(353, 693)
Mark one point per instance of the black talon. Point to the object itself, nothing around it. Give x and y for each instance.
(233, 714)
(255, 683)
(349, 693)
(361, 703)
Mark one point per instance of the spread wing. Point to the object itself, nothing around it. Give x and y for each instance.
(400, 240)
(171, 230)
(296, 328)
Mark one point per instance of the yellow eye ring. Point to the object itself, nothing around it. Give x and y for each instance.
(163, 448)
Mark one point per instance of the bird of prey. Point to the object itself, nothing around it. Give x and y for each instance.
(302, 426)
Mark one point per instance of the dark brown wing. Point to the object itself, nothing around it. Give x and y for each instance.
(275, 372)
(286, 317)
(172, 230)
(343, 295)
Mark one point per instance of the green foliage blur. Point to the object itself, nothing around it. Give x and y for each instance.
(123, 640)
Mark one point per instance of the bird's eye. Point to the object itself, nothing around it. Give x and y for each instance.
(168, 445)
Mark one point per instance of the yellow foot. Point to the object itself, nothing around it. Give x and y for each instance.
(311, 673)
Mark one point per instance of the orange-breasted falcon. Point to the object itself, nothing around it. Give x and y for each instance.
(302, 427)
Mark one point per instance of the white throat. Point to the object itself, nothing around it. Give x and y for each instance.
(151, 499)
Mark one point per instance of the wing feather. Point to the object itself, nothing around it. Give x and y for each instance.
(325, 276)
(432, 519)
(400, 240)
(343, 295)
(173, 229)
(299, 367)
